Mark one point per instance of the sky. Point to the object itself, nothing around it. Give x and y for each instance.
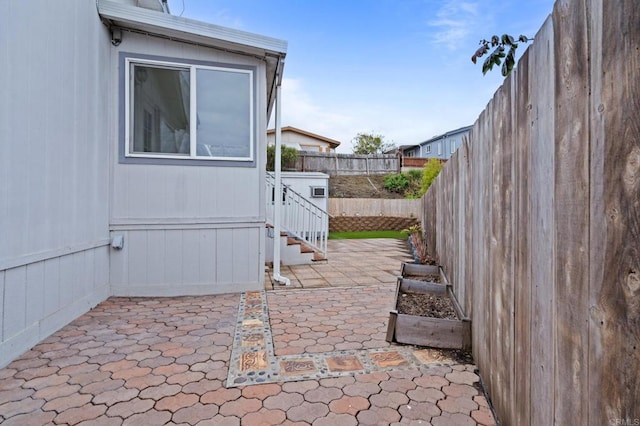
(397, 68)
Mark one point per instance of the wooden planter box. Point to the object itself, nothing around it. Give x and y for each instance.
(428, 331)
(417, 270)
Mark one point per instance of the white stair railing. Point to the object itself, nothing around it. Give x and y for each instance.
(301, 218)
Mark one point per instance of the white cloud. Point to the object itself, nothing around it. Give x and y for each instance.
(455, 21)
(299, 110)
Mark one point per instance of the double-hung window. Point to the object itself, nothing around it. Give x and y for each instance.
(187, 111)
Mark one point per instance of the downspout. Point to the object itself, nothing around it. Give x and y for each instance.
(277, 206)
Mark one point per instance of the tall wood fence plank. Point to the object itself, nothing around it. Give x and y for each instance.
(616, 223)
(502, 246)
(571, 212)
(542, 71)
(522, 255)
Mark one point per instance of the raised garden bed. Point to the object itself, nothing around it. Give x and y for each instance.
(427, 313)
(418, 272)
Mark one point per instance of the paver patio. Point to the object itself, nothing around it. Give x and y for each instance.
(154, 361)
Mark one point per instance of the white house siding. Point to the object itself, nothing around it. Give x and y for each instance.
(54, 146)
(301, 142)
(188, 229)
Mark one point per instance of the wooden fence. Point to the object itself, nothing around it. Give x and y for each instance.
(347, 164)
(536, 220)
(374, 207)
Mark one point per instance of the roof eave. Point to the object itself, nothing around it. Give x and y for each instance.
(269, 49)
(190, 30)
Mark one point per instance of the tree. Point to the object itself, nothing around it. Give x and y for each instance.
(369, 143)
(430, 172)
(288, 160)
(498, 55)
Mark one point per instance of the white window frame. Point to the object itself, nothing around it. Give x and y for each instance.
(192, 110)
(439, 148)
(453, 147)
(427, 149)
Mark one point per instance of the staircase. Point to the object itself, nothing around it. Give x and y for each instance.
(305, 227)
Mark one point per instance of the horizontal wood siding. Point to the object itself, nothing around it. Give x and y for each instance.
(536, 218)
(40, 298)
(53, 127)
(54, 140)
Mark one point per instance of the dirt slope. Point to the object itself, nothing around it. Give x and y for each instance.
(360, 186)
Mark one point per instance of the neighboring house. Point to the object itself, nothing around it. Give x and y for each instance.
(303, 140)
(441, 146)
(132, 158)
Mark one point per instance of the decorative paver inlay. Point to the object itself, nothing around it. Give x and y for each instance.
(253, 360)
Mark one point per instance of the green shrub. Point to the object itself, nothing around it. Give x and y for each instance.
(396, 182)
(430, 173)
(289, 157)
(414, 174)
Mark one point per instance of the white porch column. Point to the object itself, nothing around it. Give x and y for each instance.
(277, 207)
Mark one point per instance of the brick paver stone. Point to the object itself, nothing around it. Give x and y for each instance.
(202, 386)
(18, 394)
(283, 401)
(397, 385)
(104, 386)
(43, 382)
(32, 373)
(113, 397)
(128, 408)
(378, 416)
(102, 421)
(436, 382)
(333, 419)
(419, 410)
(464, 405)
(144, 382)
(220, 420)
(66, 402)
(462, 377)
(261, 391)
(20, 407)
(483, 416)
(389, 399)
(349, 405)
(80, 414)
(35, 418)
(322, 394)
(264, 417)
(453, 420)
(426, 395)
(240, 407)
(361, 389)
(459, 390)
(151, 417)
(307, 412)
(195, 413)
(220, 396)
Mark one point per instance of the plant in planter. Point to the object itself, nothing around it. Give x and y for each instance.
(419, 245)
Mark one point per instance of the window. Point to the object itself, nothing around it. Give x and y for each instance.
(439, 148)
(188, 111)
(428, 149)
(453, 146)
